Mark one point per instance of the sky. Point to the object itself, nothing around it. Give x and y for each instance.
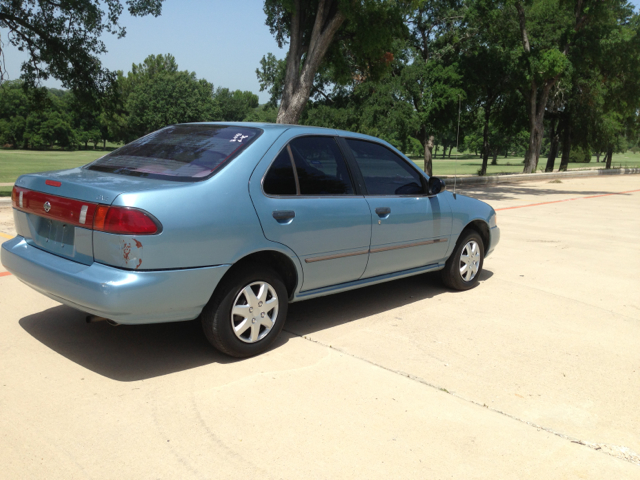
(221, 41)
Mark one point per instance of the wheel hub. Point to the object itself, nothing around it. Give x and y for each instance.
(254, 312)
(470, 261)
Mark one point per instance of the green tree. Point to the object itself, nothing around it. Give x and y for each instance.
(558, 40)
(271, 77)
(62, 38)
(157, 94)
(430, 78)
(341, 37)
(234, 106)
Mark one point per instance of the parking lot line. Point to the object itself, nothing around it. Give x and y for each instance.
(6, 235)
(4, 274)
(567, 200)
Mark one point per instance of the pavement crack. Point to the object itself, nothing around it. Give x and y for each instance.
(619, 452)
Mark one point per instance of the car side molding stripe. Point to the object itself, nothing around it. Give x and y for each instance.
(408, 245)
(375, 250)
(332, 257)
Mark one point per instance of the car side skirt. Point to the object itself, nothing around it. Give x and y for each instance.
(343, 287)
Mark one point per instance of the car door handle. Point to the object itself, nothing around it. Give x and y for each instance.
(284, 216)
(383, 211)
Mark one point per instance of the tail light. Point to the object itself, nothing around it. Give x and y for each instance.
(125, 221)
(103, 218)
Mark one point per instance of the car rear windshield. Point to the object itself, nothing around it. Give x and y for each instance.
(179, 152)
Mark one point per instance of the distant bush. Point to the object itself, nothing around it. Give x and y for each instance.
(578, 155)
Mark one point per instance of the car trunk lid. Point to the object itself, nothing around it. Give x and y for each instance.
(55, 211)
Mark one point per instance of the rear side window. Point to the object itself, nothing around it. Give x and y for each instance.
(178, 152)
(384, 172)
(320, 169)
(280, 179)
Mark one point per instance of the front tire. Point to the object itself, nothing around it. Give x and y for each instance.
(463, 267)
(246, 312)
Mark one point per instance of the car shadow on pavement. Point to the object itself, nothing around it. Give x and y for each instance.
(326, 312)
(490, 193)
(128, 353)
(124, 353)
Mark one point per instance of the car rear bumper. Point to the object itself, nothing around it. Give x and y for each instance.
(127, 297)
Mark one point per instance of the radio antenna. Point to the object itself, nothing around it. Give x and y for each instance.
(455, 165)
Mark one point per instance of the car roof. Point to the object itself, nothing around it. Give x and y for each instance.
(274, 127)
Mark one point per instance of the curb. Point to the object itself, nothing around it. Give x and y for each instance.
(535, 177)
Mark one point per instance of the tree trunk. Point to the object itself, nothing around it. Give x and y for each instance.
(428, 146)
(553, 150)
(598, 157)
(495, 157)
(485, 143)
(536, 125)
(609, 157)
(299, 79)
(450, 148)
(537, 102)
(566, 147)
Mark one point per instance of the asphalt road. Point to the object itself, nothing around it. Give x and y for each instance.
(533, 374)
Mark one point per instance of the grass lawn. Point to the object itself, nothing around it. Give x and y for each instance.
(470, 164)
(14, 163)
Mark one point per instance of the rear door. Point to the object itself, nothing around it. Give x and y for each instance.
(409, 228)
(306, 200)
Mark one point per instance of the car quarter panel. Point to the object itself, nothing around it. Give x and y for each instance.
(205, 223)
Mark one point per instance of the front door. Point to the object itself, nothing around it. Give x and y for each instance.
(409, 228)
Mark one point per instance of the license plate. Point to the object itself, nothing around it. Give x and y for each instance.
(54, 234)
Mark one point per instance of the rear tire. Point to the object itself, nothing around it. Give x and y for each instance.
(462, 269)
(246, 312)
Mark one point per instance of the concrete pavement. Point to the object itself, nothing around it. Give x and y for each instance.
(533, 374)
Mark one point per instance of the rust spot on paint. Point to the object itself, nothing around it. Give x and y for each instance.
(126, 251)
(138, 244)
(139, 263)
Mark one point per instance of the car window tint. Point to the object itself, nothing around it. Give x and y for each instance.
(178, 152)
(384, 172)
(279, 179)
(320, 167)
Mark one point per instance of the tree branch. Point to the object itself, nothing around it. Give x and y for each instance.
(523, 27)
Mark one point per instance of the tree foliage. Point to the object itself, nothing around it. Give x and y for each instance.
(155, 93)
(63, 39)
(339, 37)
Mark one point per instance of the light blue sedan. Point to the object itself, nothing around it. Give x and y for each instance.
(232, 222)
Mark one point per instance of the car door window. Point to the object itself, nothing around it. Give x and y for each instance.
(384, 172)
(320, 167)
(280, 179)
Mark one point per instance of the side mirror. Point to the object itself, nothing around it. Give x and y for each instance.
(435, 186)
